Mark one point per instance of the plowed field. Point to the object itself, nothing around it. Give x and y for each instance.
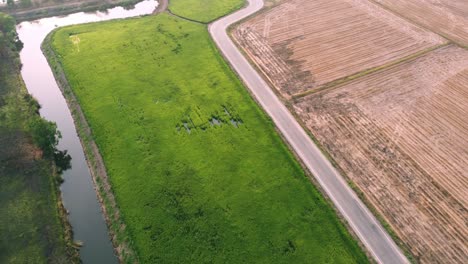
(401, 135)
(301, 44)
(449, 18)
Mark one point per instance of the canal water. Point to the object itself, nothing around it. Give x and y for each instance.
(78, 191)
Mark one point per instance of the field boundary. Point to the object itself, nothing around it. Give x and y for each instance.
(185, 18)
(296, 157)
(403, 246)
(118, 233)
(418, 24)
(349, 78)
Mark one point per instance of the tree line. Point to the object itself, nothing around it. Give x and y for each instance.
(19, 111)
(10, 44)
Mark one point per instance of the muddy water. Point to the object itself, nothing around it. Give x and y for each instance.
(78, 191)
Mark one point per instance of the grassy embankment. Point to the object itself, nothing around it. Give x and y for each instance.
(204, 11)
(33, 227)
(197, 168)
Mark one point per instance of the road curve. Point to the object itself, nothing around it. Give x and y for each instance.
(361, 220)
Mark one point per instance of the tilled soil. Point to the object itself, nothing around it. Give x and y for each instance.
(449, 18)
(300, 44)
(401, 135)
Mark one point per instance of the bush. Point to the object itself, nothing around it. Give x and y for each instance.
(9, 42)
(45, 135)
(25, 3)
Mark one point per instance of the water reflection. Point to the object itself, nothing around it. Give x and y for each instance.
(78, 190)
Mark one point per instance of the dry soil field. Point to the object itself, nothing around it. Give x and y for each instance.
(302, 44)
(401, 135)
(387, 98)
(449, 17)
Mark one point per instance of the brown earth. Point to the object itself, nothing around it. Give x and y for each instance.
(401, 135)
(301, 44)
(449, 18)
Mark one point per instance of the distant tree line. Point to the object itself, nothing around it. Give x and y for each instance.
(22, 3)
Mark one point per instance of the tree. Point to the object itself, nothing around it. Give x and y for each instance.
(20, 112)
(25, 3)
(62, 160)
(10, 44)
(45, 135)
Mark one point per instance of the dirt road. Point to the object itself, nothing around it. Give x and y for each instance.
(162, 6)
(363, 223)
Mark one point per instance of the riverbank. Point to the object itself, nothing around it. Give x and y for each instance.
(60, 9)
(79, 194)
(121, 240)
(33, 225)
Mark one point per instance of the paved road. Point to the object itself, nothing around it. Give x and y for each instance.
(364, 224)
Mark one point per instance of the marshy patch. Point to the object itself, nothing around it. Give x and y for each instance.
(234, 118)
(187, 128)
(195, 119)
(215, 122)
(236, 123)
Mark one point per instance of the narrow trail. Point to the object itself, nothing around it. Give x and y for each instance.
(360, 219)
(162, 6)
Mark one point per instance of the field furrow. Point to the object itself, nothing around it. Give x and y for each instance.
(401, 136)
(318, 44)
(448, 18)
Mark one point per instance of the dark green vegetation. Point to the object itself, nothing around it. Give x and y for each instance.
(9, 42)
(32, 226)
(199, 173)
(204, 11)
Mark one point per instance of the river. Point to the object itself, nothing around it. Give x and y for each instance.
(78, 193)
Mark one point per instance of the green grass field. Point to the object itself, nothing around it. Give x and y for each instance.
(198, 170)
(204, 11)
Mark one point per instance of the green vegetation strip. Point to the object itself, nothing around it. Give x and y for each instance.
(30, 211)
(33, 221)
(198, 171)
(204, 11)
